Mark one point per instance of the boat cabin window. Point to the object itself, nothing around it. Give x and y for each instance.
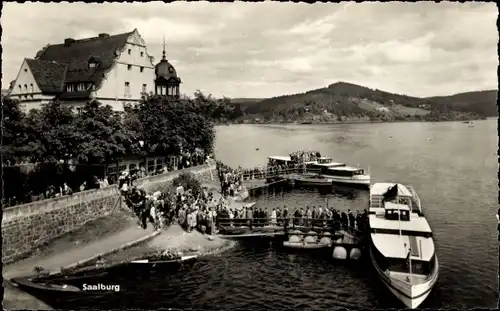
(401, 264)
(342, 173)
(397, 214)
(324, 160)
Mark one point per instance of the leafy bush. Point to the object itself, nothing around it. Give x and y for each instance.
(188, 181)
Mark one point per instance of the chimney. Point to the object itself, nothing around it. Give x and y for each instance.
(103, 35)
(68, 41)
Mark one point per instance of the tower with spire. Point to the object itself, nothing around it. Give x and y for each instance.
(167, 82)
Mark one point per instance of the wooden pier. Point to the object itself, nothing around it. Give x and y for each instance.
(341, 235)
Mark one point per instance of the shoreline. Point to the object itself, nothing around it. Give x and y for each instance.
(351, 122)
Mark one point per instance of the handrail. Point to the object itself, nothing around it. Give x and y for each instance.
(267, 220)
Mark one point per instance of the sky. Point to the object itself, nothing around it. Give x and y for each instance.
(258, 50)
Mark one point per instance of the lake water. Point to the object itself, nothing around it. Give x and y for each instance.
(452, 166)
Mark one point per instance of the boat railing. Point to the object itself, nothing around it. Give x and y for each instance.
(262, 173)
(289, 224)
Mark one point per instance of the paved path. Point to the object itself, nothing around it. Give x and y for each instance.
(17, 299)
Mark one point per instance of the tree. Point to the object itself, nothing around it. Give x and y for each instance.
(189, 182)
(52, 133)
(102, 137)
(14, 136)
(171, 126)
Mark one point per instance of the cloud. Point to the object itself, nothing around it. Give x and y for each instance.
(264, 49)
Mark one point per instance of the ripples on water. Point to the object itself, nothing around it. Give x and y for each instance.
(452, 167)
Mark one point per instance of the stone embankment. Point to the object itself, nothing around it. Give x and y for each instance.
(29, 226)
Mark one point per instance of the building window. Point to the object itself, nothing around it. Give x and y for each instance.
(79, 110)
(142, 54)
(80, 87)
(25, 69)
(142, 69)
(151, 166)
(70, 88)
(92, 65)
(127, 88)
(31, 88)
(20, 88)
(26, 88)
(129, 51)
(129, 67)
(144, 86)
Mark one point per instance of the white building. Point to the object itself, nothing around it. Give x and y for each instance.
(115, 70)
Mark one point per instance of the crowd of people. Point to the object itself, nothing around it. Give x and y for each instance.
(308, 217)
(231, 180)
(64, 187)
(304, 156)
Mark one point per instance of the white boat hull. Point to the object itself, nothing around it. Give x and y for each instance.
(348, 180)
(411, 295)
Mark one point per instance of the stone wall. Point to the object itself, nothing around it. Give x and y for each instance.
(160, 182)
(28, 226)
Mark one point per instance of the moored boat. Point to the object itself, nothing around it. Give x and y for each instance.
(402, 249)
(153, 261)
(330, 172)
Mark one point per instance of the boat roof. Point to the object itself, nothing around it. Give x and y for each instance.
(416, 223)
(346, 168)
(381, 188)
(390, 205)
(280, 158)
(393, 246)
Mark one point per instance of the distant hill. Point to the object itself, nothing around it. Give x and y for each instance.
(345, 101)
(481, 102)
(244, 103)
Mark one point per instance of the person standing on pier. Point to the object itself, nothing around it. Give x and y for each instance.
(351, 219)
(309, 216)
(296, 218)
(273, 217)
(278, 217)
(345, 220)
(359, 225)
(286, 222)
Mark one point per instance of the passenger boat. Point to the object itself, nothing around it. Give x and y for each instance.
(402, 249)
(330, 172)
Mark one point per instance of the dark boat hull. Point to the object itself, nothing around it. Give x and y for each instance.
(56, 295)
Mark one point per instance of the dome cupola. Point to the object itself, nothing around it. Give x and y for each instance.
(166, 82)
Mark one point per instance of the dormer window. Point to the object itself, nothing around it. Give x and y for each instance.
(142, 54)
(93, 62)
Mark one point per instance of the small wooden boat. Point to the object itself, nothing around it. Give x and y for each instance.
(180, 259)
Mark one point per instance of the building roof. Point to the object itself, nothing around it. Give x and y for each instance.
(49, 75)
(74, 56)
(393, 246)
